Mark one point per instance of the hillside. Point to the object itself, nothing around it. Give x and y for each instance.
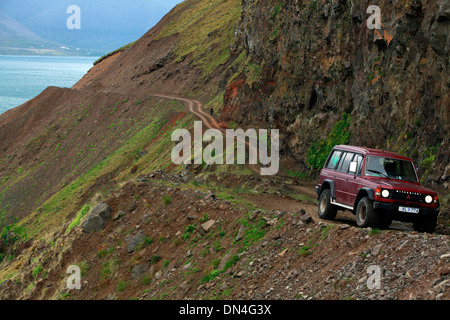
(16, 39)
(174, 232)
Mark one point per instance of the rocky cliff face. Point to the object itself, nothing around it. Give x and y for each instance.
(314, 64)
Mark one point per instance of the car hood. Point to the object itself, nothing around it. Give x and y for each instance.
(405, 185)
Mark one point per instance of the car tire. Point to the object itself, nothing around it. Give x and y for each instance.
(366, 216)
(425, 224)
(327, 210)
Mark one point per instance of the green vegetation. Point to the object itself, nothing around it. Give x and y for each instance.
(78, 218)
(37, 271)
(213, 274)
(254, 231)
(154, 259)
(109, 268)
(167, 200)
(122, 285)
(84, 268)
(103, 253)
(11, 235)
(426, 166)
(208, 24)
(204, 218)
(304, 251)
(319, 151)
(298, 174)
(188, 231)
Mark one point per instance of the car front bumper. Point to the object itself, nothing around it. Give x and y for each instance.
(392, 210)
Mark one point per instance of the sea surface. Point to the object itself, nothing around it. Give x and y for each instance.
(24, 77)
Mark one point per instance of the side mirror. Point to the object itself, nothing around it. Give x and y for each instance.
(353, 167)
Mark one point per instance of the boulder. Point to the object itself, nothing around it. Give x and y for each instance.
(135, 241)
(137, 271)
(103, 210)
(93, 223)
(207, 225)
(306, 218)
(240, 234)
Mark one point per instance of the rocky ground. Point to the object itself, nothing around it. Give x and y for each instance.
(177, 237)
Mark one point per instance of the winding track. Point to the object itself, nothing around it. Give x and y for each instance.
(196, 108)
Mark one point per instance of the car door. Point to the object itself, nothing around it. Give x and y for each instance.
(353, 180)
(342, 178)
(329, 171)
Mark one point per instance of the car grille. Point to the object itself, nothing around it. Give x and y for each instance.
(409, 196)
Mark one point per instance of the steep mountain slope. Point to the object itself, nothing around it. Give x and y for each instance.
(203, 231)
(67, 144)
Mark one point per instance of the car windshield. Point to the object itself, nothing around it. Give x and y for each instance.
(390, 168)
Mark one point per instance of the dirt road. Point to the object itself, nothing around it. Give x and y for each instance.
(196, 107)
(345, 217)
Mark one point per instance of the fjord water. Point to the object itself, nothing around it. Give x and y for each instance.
(24, 77)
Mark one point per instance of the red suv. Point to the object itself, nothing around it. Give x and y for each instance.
(378, 187)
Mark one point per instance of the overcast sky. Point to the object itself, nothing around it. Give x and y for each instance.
(105, 24)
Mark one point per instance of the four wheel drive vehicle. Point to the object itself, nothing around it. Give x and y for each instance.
(378, 187)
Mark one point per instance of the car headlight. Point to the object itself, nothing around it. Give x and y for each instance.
(385, 193)
(428, 199)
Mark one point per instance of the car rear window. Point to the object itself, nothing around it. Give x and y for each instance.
(334, 159)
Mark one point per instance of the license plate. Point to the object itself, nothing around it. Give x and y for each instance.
(408, 210)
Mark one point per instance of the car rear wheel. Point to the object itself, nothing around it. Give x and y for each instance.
(365, 215)
(327, 210)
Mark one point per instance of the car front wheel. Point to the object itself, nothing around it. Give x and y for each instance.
(365, 215)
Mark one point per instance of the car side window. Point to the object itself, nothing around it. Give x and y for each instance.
(359, 159)
(345, 162)
(334, 159)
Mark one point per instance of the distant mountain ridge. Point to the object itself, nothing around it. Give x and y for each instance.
(105, 25)
(15, 38)
(11, 29)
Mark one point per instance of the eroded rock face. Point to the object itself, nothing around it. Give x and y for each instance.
(313, 61)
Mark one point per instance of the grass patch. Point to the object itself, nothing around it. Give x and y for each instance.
(304, 251)
(200, 26)
(154, 259)
(213, 274)
(37, 271)
(319, 151)
(109, 268)
(79, 217)
(167, 200)
(121, 286)
(187, 233)
(298, 175)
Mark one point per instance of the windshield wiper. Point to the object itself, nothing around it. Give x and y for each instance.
(378, 172)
